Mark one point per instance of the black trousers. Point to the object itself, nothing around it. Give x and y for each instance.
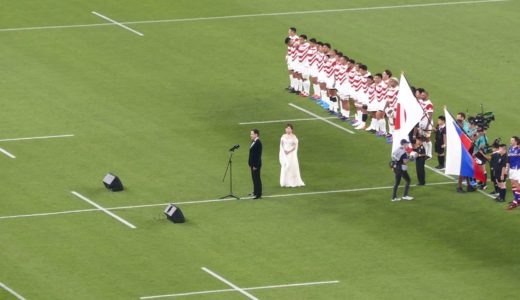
(419, 167)
(399, 173)
(257, 182)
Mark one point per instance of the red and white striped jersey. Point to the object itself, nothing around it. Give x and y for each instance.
(356, 84)
(294, 55)
(329, 67)
(312, 56)
(351, 75)
(381, 90)
(371, 91)
(302, 52)
(391, 96)
(322, 61)
(427, 105)
(364, 82)
(341, 75)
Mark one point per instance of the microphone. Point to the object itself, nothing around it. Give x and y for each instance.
(235, 147)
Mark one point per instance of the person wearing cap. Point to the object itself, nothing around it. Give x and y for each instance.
(399, 160)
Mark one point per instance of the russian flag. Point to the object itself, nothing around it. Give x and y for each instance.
(459, 160)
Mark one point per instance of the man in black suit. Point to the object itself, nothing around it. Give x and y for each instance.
(255, 162)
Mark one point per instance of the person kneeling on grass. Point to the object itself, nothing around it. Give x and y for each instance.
(399, 160)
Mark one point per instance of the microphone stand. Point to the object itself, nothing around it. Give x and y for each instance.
(230, 168)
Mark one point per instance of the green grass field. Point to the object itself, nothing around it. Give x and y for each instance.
(161, 111)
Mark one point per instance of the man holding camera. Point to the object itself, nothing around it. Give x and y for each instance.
(399, 160)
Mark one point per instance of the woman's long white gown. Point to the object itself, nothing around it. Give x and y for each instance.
(290, 173)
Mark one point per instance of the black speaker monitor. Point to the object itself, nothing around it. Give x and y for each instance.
(174, 214)
(112, 182)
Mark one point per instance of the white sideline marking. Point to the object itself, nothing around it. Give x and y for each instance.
(282, 121)
(7, 153)
(321, 118)
(117, 23)
(241, 291)
(13, 292)
(245, 289)
(37, 137)
(448, 176)
(206, 201)
(104, 210)
(256, 15)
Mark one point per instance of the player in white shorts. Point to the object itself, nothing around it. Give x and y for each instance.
(313, 57)
(363, 95)
(290, 42)
(322, 76)
(372, 103)
(303, 65)
(341, 85)
(426, 123)
(391, 101)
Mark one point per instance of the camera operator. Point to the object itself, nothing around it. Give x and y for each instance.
(461, 121)
(399, 160)
(479, 152)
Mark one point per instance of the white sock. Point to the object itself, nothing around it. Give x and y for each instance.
(382, 125)
(428, 148)
(323, 95)
(307, 86)
(316, 89)
(293, 82)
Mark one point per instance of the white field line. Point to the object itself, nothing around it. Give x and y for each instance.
(37, 137)
(104, 210)
(117, 23)
(321, 118)
(241, 291)
(448, 176)
(354, 9)
(7, 153)
(282, 121)
(245, 289)
(206, 201)
(13, 292)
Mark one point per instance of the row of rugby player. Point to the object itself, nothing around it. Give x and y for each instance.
(339, 83)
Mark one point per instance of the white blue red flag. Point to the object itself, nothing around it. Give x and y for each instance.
(459, 160)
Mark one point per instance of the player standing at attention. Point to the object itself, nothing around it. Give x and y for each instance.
(312, 57)
(426, 123)
(341, 84)
(303, 66)
(381, 89)
(391, 100)
(330, 67)
(363, 96)
(372, 103)
(322, 77)
(289, 41)
(514, 170)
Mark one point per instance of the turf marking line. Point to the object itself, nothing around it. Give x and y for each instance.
(208, 201)
(245, 289)
(117, 23)
(11, 291)
(282, 121)
(321, 118)
(236, 288)
(448, 176)
(255, 15)
(7, 153)
(37, 137)
(104, 210)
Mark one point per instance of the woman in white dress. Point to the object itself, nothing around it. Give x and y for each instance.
(290, 174)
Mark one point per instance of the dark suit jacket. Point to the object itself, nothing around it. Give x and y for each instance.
(255, 154)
